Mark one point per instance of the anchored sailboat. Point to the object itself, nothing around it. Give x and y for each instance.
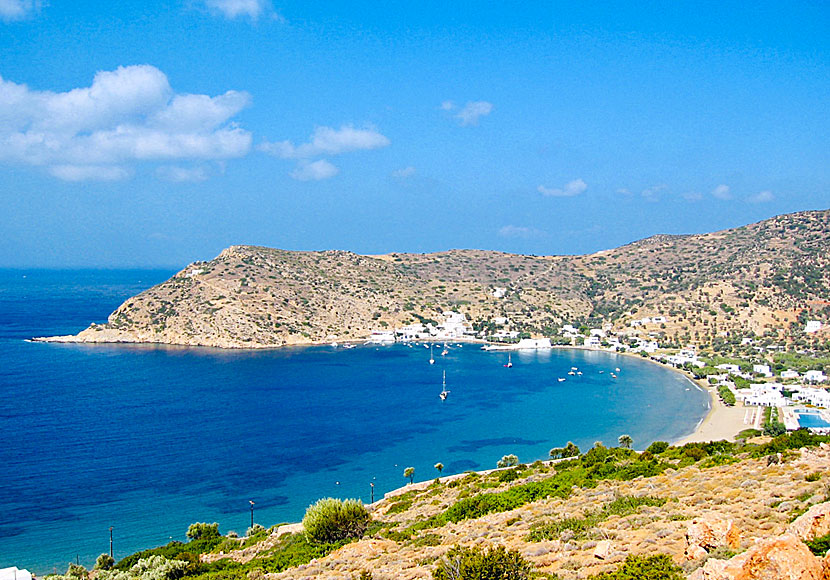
(444, 391)
(509, 364)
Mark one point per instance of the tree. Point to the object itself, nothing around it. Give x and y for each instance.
(571, 450)
(508, 461)
(410, 473)
(625, 441)
(439, 466)
(332, 520)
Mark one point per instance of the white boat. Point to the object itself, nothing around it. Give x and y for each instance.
(444, 391)
(571, 373)
(446, 351)
(561, 380)
(509, 364)
(617, 369)
(431, 358)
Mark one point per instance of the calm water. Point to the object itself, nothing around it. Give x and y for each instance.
(149, 439)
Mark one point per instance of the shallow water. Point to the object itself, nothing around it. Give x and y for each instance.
(150, 439)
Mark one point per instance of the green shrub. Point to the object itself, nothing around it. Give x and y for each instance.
(332, 520)
(819, 546)
(659, 567)
(104, 562)
(815, 476)
(476, 564)
(202, 531)
(508, 461)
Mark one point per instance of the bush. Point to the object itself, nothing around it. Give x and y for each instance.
(657, 447)
(659, 567)
(476, 564)
(202, 531)
(332, 520)
(104, 562)
(819, 546)
(508, 461)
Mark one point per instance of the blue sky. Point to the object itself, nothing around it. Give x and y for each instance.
(156, 133)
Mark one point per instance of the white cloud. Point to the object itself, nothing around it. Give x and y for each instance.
(722, 192)
(761, 197)
(653, 193)
(693, 196)
(472, 111)
(404, 173)
(314, 171)
(328, 141)
(89, 172)
(11, 10)
(178, 174)
(572, 188)
(447, 106)
(624, 191)
(325, 141)
(127, 115)
(234, 9)
(511, 231)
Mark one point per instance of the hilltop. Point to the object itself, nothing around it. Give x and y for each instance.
(759, 280)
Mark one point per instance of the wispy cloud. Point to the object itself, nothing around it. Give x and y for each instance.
(314, 171)
(325, 141)
(404, 172)
(761, 197)
(328, 141)
(470, 113)
(570, 189)
(11, 10)
(126, 116)
(178, 174)
(511, 231)
(722, 192)
(233, 9)
(653, 193)
(692, 196)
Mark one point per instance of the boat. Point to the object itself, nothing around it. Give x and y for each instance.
(446, 351)
(561, 380)
(444, 391)
(571, 373)
(617, 369)
(613, 376)
(349, 346)
(431, 358)
(509, 364)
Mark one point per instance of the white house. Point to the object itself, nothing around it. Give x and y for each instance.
(534, 343)
(762, 395)
(789, 374)
(412, 331)
(817, 397)
(729, 368)
(597, 332)
(812, 326)
(499, 292)
(500, 320)
(762, 370)
(593, 341)
(658, 319)
(15, 573)
(815, 377)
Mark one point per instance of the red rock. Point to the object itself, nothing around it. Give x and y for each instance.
(782, 558)
(812, 524)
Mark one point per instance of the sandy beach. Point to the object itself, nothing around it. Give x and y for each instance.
(721, 422)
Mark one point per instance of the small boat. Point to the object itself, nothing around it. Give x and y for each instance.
(446, 351)
(334, 345)
(574, 369)
(348, 346)
(431, 358)
(617, 369)
(561, 380)
(509, 364)
(571, 373)
(600, 372)
(613, 376)
(444, 391)
(579, 373)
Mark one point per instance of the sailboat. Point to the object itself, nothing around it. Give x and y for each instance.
(509, 364)
(446, 351)
(431, 358)
(444, 391)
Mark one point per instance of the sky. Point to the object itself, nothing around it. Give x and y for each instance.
(156, 133)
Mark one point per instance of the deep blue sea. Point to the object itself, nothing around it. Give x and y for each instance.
(149, 439)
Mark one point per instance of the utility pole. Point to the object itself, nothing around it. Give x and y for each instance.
(111, 556)
(373, 492)
(252, 511)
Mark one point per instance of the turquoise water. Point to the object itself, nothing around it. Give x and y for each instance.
(813, 420)
(148, 439)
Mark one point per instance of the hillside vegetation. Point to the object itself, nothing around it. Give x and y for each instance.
(761, 280)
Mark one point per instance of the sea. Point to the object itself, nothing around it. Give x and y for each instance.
(148, 439)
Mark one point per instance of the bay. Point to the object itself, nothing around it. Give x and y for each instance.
(148, 439)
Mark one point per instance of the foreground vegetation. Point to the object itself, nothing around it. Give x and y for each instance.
(331, 524)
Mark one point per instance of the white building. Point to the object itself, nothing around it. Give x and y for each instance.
(15, 573)
(789, 374)
(534, 343)
(500, 320)
(762, 370)
(762, 395)
(592, 341)
(817, 397)
(815, 377)
(729, 368)
(499, 292)
(812, 326)
(412, 331)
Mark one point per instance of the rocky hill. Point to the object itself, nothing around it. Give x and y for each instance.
(758, 279)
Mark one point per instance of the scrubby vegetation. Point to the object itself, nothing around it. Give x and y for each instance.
(482, 564)
(332, 520)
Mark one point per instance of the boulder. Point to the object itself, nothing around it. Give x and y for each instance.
(705, 534)
(781, 558)
(812, 524)
(602, 549)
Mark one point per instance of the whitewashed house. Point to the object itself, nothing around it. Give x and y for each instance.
(815, 377)
(789, 374)
(812, 326)
(762, 370)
